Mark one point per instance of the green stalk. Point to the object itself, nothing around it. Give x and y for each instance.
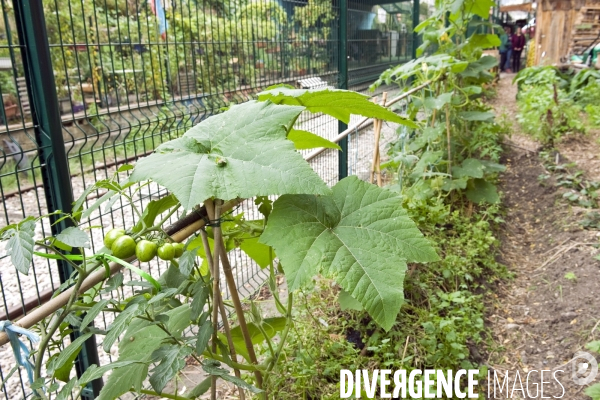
(284, 335)
(163, 395)
(55, 325)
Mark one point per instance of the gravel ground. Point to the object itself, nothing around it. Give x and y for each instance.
(43, 275)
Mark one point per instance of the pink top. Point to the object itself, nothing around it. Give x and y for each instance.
(518, 42)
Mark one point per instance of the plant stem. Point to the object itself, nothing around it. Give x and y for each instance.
(448, 139)
(232, 352)
(55, 325)
(161, 326)
(233, 364)
(163, 395)
(58, 253)
(166, 218)
(285, 333)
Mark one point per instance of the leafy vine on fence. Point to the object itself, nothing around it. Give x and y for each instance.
(355, 233)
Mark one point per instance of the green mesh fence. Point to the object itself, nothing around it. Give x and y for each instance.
(128, 75)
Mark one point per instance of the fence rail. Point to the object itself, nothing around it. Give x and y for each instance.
(88, 85)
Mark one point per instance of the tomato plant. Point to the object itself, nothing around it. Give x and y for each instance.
(355, 233)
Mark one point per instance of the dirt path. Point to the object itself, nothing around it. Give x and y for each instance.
(550, 310)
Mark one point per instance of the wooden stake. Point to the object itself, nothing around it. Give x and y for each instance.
(235, 298)
(377, 125)
(375, 146)
(226, 328)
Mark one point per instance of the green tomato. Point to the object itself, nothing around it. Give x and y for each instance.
(145, 250)
(123, 247)
(166, 252)
(178, 247)
(112, 235)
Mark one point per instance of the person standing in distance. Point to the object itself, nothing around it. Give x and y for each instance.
(518, 43)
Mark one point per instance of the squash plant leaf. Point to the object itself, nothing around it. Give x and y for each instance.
(470, 167)
(348, 302)
(337, 103)
(304, 140)
(359, 235)
(481, 191)
(242, 152)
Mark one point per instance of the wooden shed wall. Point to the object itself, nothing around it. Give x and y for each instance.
(555, 27)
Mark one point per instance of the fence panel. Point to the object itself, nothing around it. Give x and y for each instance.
(128, 75)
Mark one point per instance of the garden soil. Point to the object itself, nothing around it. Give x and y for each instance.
(549, 310)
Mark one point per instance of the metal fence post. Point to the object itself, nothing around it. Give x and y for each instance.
(37, 62)
(416, 21)
(343, 83)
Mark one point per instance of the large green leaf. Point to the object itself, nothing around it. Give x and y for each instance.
(137, 345)
(481, 41)
(479, 69)
(481, 191)
(359, 235)
(304, 140)
(204, 334)
(257, 251)
(337, 103)
(436, 103)
(470, 167)
(348, 302)
(242, 152)
(480, 7)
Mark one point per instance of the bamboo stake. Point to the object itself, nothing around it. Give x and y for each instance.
(95, 278)
(226, 328)
(448, 139)
(378, 161)
(377, 125)
(375, 146)
(214, 213)
(235, 298)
